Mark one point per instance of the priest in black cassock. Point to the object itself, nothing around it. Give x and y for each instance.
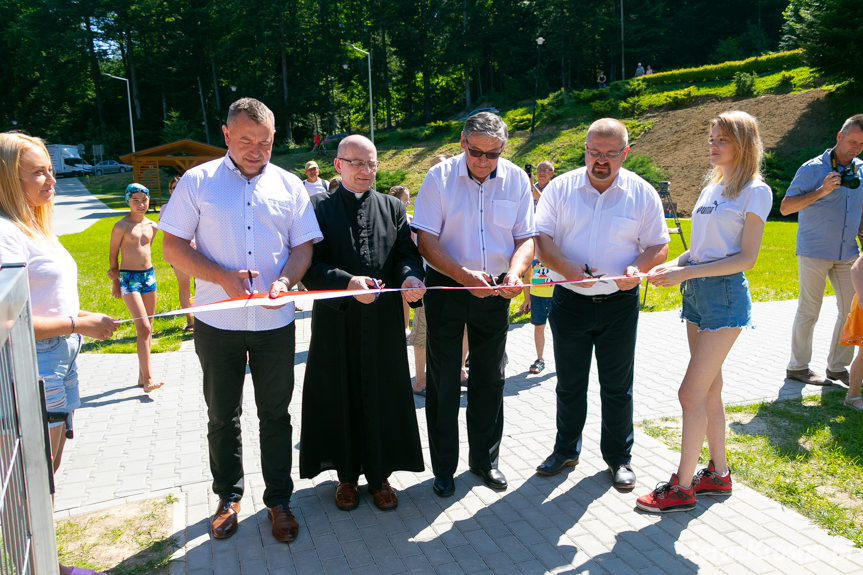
(358, 409)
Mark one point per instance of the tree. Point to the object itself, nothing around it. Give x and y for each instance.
(830, 33)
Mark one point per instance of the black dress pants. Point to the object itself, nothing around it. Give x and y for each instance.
(270, 356)
(606, 325)
(487, 321)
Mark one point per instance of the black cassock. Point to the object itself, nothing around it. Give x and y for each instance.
(358, 408)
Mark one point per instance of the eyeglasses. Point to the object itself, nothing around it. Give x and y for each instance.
(479, 153)
(360, 164)
(542, 170)
(596, 154)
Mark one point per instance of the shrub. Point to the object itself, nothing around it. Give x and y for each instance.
(519, 122)
(385, 179)
(726, 70)
(744, 84)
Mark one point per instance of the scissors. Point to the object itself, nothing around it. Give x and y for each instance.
(590, 274)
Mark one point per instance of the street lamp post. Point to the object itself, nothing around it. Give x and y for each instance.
(129, 98)
(539, 42)
(371, 112)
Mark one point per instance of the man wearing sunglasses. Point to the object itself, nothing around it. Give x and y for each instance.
(474, 222)
(594, 221)
(826, 194)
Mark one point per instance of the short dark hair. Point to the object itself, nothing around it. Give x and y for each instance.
(855, 120)
(256, 110)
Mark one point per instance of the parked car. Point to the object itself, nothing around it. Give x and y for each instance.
(110, 167)
(333, 140)
(478, 110)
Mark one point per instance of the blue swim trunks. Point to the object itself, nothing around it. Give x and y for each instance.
(143, 281)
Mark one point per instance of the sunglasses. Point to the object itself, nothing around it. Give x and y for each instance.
(479, 153)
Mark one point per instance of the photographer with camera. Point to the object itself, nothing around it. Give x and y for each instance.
(827, 194)
(544, 172)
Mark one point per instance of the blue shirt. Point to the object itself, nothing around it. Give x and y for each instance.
(827, 228)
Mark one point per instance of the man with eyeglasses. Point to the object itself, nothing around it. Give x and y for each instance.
(544, 173)
(595, 221)
(826, 194)
(253, 228)
(358, 409)
(475, 227)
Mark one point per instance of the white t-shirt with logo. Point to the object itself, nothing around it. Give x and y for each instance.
(717, 221)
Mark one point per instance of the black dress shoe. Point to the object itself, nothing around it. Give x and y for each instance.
(444, 486)
(554, 464)
(491, 477)
(623, 476)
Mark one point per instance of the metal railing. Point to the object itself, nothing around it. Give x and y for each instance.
(27, 541)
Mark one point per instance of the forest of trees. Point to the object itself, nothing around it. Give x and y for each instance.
(186, 60)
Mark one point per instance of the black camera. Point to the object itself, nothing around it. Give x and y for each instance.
(848, 178)
(529, 169)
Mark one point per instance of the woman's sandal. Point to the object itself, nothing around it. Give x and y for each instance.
(537, 366)
(854, 402)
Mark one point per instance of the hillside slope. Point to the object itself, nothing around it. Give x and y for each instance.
(678, 138)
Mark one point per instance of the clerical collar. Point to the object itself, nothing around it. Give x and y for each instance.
(357, 195)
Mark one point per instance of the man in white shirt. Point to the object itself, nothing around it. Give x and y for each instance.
(475, 227)
(594, 221)
(313, 183)
(254, 228)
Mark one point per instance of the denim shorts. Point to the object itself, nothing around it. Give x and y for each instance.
(718, 302)
(55, 357)
(539, 309)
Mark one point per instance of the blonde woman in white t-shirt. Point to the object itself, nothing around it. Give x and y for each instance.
(26, 194)
(727, 224)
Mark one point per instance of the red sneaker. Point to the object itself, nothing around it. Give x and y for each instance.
(667, 497)
(708, 482)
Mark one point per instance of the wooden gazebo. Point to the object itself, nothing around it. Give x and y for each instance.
(180, 155)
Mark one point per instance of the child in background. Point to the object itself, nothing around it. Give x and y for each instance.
(131, 239)
(852, 334)
(537, 300)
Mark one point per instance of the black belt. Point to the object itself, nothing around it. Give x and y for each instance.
(603, 297)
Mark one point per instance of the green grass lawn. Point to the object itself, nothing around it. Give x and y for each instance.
(90, 250)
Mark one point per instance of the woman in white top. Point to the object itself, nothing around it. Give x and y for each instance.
(727, 224)
(26, 194)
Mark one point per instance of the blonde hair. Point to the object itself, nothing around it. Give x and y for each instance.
(742, 130)
(33, 221)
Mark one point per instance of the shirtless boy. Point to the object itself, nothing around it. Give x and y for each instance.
(131, 239)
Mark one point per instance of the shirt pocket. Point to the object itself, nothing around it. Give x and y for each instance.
(503, 213)
(624, 231)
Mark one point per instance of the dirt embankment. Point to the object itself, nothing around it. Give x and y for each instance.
(678, 138)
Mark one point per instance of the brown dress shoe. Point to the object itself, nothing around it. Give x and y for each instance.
(346, 496)
(224, 522)
(385, 498)
(285, 525)
(806, 376)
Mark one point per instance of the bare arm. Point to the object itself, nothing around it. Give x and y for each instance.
(294, 269)
(113, 272)
(440, 259)
(857, 280)
(556, 261)
(646, 260)
(753, 228)
(95, 325)
(180, 254)
(793, 204)
(519, 263)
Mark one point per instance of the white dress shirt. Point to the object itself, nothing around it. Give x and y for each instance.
(476, 223)
(242, 223)
(606, 231)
